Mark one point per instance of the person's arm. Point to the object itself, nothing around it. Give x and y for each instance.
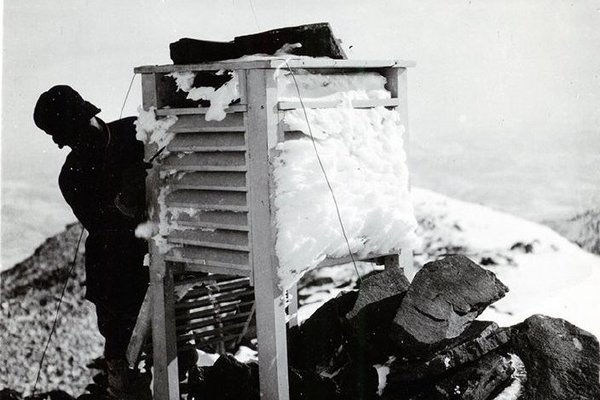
(81, 199)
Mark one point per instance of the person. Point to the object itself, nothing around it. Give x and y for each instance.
(103, 181)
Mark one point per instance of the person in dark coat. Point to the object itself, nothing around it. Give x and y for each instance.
(103, 180)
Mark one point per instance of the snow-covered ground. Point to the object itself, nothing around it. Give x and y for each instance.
(555, 277)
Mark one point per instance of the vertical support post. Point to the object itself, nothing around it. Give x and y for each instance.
(262, 125)
(164, 341)
(292, 293)
(141, 331)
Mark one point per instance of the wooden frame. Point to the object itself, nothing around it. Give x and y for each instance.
(230, 185)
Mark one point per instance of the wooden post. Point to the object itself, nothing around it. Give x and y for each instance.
(164, 341)
(262, 128)
(140, 331)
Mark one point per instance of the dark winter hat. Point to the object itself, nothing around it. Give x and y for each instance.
(62, 108)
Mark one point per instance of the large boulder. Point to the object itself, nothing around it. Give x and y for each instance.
(561, 360)
(321, 342)
(380, 286)
(443, 299)
(476, 381)
(479, 339)
(227, 379)
(379, 298)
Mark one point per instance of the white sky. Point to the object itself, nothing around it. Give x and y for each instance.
(483, 67)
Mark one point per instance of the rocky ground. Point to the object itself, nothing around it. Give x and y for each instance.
(30, 293)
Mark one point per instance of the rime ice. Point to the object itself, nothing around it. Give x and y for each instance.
(363, 156)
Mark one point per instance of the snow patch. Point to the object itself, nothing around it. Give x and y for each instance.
(146, 230)
(383, 371)
(219, 98)
(152, 130)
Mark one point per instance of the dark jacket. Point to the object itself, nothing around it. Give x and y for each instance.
(90, 182)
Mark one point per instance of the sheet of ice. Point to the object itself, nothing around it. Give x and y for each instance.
(363, 156)
(219, 98)
(152, 130)
(325, 87)
(545, 273)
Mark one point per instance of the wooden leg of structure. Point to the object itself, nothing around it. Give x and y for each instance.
(292, 294)
(164, 340)
(272, 342)
(140, 331)
(407, 263)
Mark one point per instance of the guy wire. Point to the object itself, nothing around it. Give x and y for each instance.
(55, 323)
(126, 96)
(312, 138)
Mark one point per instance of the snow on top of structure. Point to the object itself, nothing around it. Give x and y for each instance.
(363, 156)
(551, 276)
(352, 86)
(219, 98)
(152, 130)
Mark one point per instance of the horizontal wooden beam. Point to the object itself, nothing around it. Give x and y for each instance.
(292, 105)
(198, 110)
(275, 62)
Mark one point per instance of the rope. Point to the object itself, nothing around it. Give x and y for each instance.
(55, 323)
(312, 138)
(126, 96)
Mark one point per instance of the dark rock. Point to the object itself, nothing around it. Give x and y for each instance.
(561, 360)
(371, 318)
(358, 380)
(321, 342)
(9, 394)
(477, 381)
(443, 299)
(479, 339)
(52, 395)
(228, 379)
(308, 385)
(377, 287)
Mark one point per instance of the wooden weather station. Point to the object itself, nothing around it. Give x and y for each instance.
(215, 188)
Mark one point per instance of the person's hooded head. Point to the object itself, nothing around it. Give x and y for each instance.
(62, 113)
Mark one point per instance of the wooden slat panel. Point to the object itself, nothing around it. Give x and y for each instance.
(190, 326)
(212, 269)
(236, 108)
(226, 181)
(236, 295)
(219, 288)
(208, 200)
(196, 123)
(227, 329)
(209, 141)
(205, 162)
(216, 219)
(292, 105)
(208, 311)
(221, 239)
(208, 256)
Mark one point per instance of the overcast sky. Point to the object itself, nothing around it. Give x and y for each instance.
(483, 67)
